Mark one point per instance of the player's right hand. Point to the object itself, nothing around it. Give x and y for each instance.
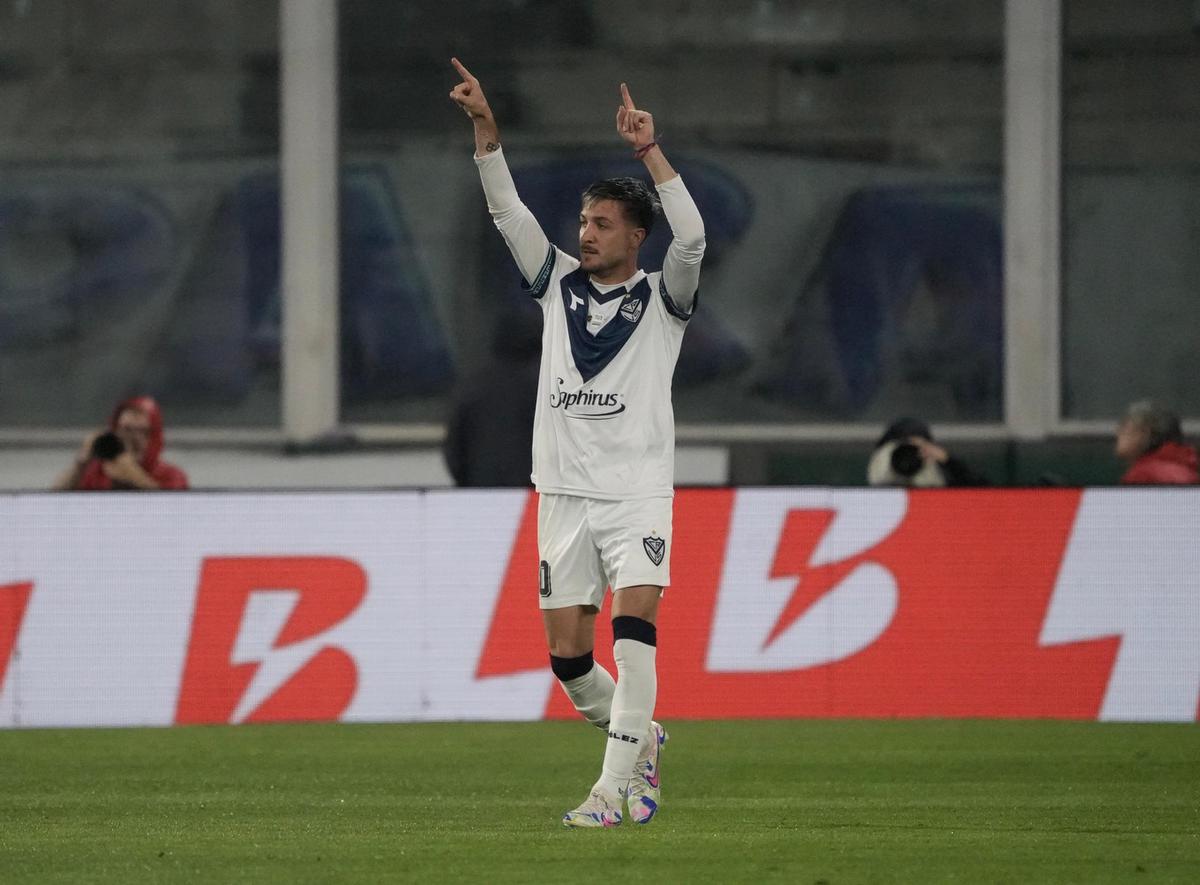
(468, 94)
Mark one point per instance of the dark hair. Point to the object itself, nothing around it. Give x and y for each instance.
(641, 203)
(903, 428)
(1161, 424)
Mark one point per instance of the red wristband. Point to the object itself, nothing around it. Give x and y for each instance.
(644, 149)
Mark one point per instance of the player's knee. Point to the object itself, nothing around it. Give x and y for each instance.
(637, 629)
(567, 669)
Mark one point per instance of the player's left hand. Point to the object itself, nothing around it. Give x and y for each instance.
(636, 127)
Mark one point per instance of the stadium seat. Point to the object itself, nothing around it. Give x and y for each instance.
(77, 257)
(392, 344)
(886, 243)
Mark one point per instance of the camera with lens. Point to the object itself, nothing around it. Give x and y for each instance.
(900, 463)
(107, 446)
(906, 460)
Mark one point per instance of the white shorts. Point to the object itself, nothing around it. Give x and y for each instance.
(587, 545)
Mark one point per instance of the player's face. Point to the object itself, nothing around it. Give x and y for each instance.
(608, 240)
(133, 427)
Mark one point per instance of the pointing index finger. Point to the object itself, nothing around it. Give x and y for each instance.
(626, 99)
(462, 69)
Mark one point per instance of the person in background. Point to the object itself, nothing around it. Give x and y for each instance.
(125, 455)
(906, 455)
(489, 432)
(1150, 438)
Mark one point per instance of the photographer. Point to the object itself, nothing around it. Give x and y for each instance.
(906, 455)
(124, 456)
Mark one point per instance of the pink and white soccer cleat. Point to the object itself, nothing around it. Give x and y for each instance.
(600, 810)
(645, 787)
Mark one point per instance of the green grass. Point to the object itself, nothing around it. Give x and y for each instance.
(788, 801)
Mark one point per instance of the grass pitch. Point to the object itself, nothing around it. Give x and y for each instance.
(785, 801)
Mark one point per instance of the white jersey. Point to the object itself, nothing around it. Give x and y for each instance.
(604, 425)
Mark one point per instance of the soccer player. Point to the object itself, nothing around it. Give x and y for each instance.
(604, 435)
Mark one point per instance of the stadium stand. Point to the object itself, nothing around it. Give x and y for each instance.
(392, 343)
(886, 243)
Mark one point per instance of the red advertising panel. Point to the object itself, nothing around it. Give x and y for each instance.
(13, 599)
(228, 648)
(939, 615)
(417, 606)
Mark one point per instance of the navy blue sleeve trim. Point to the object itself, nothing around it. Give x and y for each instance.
(672, 308)
(538, 287)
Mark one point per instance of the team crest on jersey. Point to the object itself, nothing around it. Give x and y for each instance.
(655, 548)
(631, 309)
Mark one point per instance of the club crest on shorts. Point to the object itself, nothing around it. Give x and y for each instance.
(655, 548)
(631, 309)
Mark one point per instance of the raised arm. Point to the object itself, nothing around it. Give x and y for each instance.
(637, 128)
(681, 267)
(521, 231)
(469, 96)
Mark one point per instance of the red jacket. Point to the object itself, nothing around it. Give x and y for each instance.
(1169, 464)
(167, 475)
